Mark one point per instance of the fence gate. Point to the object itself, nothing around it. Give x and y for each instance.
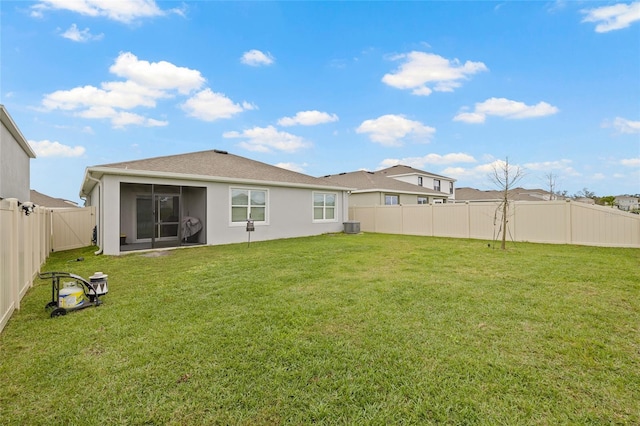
(72, 228)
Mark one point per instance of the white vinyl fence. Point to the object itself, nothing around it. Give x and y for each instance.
(556, 222)
(72, 228)
(27, 240)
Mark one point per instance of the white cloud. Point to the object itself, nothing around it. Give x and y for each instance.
(256, 58)
(74, 34)
(429, 159)
(421, 70)
(470, 117)
(563, 167)
(146, 83)
(556, 6)
(479, 173)
(550, 165)
(631, 162)
(615, 17)
(159, 75)
(308, 118)
(46, 148)
(210, 106)
(126, 95)
(622, 125)
(122, 11)
(292, 166)
(249, 106)
(506, 108)
(120, 119)
(124, 118)
(390, 130)
(267, 139)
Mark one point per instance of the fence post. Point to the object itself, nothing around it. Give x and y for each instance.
(468, 219)
(568, 237)
(433, 228)
(375, 218)
(13, 254)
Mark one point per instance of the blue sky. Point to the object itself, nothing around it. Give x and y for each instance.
(330, 87)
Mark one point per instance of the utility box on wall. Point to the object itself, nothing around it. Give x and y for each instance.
(351, 227)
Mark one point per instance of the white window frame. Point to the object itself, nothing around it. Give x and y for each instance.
(391, 195)
(244, 222)
(425, 199)
(324, 215)
(437, 185)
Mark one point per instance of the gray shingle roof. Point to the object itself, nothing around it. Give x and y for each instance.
(400, 169)
(217, 164)
(40, 199)
(375, 181)
(516, 194)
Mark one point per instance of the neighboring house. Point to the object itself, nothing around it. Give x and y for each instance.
(206, 198)
(15, 157)
(43, 200)
(395, 185)
(440, 184)
(516, 194)
(627, 203)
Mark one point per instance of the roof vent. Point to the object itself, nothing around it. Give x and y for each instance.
(343, 173)
(219, 151)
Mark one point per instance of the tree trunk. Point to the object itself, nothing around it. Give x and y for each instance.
(503, 244)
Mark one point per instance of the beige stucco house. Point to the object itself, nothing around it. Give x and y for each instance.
(15, 157)
(627, 202)
(396, 185)
(207, 198)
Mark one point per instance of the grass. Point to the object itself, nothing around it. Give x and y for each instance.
(335, 329)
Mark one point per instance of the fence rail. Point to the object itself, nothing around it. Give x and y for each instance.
(556, 222)
(27, 240)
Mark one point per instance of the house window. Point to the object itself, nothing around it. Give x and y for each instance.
(248, 204)
(324, 206)
(391, 200)
(436, 184)
(423, 200)
(420, 180)
(450, 187)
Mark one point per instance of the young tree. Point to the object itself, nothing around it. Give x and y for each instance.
(609, 200)
(505, 176)
(585, 193)
(551, 181)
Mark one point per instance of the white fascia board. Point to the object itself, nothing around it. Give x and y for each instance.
(426, 174)
(100, 171)
(6, 119)
(393, 191)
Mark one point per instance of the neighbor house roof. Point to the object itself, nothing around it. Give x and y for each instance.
(8, 122)
(366, 181)
(402, 170)
(516, 194)
(213, 165)
(43, 200)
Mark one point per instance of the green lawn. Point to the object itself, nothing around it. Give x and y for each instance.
(334, 329)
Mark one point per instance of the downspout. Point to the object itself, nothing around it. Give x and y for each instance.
(100, 213)
(345, 206)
